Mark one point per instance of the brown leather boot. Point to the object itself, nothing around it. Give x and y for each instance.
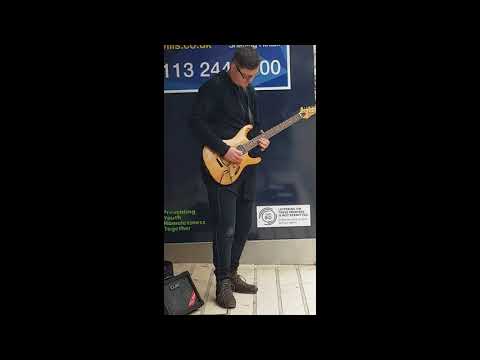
(239, 285)
(224, 294)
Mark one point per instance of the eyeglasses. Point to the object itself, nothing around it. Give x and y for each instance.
(248, 78)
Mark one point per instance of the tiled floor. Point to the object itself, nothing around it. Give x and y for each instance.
(282, 289)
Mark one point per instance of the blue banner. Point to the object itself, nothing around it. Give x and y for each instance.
(187, 67)
(285, 206)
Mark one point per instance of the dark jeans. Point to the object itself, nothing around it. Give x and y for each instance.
(231, 218)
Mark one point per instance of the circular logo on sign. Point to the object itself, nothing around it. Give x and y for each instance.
(268, 216)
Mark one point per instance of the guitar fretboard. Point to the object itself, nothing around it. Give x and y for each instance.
(268, 134)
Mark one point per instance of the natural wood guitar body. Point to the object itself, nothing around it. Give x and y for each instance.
(222, 171)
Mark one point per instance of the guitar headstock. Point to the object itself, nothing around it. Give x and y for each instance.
(307, 112)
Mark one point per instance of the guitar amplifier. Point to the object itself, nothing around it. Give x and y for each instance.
(180, 296)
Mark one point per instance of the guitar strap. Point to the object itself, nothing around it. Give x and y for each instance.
(248, 106)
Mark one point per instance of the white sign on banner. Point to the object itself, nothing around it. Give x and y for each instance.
(283, 216)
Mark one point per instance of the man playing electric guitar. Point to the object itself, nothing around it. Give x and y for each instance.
(224, 105)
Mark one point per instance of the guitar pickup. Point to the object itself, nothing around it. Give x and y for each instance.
(219, 163)
(241, 148)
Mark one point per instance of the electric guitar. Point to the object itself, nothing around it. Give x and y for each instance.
(226, 173)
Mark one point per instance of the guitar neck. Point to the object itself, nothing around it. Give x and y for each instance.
(270, 133)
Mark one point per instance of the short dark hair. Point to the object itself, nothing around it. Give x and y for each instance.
(246, 57)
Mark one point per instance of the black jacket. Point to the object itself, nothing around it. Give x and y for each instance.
(220, 111)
